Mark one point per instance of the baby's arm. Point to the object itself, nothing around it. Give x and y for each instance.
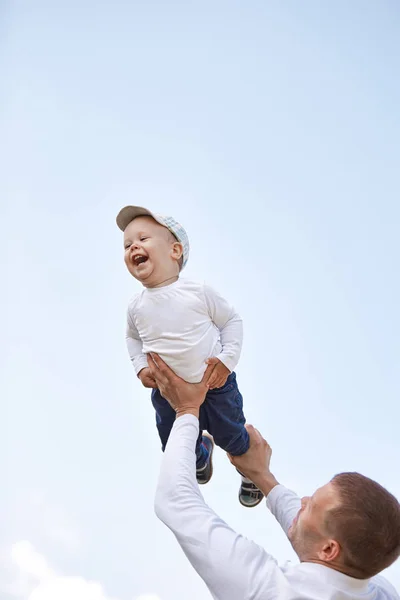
(138, 358)
(135, 346)
(230, 326)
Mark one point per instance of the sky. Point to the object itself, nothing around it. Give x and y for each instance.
(271, 131)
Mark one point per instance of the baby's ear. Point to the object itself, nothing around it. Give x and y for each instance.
(177, 250)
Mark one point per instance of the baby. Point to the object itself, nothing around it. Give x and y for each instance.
(190, 326)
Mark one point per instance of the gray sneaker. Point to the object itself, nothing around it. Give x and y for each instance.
(249, 494)
(204, 474)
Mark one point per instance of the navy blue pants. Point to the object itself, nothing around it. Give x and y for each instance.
(221, 415)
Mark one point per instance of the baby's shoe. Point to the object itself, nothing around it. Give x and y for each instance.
(204, 474)
(249, 494)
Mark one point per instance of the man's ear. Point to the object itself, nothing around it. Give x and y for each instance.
(330, 551)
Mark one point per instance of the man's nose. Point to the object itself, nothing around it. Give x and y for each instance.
(304, 501)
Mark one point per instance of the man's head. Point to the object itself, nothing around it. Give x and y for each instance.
(351, 524)
(156, 247)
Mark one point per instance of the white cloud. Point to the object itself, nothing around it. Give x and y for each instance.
(30, 562)
(48, 585)
(66, 588)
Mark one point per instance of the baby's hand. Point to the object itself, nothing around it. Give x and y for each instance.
(146, 378)
(219, 374)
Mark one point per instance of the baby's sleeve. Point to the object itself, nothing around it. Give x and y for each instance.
(230, 325)
(134, 345)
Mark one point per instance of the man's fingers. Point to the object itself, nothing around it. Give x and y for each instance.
(256, 436)
(212, 382)
(150, 384)
(207, 374)
(250, 429)
(212, 361)
(160, 371)
(152, 364)
(162, 366)
(165, 378)
(158, 362)
(253, 432)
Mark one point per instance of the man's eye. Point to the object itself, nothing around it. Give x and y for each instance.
(127, 246)
(143, 239)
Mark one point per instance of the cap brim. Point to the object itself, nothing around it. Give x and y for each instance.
(128, 213)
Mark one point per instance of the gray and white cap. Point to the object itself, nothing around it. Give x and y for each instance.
(129, 213)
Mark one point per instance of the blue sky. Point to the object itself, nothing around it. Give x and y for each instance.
(271, 131)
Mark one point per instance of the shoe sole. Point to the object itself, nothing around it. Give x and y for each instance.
(211, 457)
(251, 505)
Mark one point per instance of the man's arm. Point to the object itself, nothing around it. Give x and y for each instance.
(255, 464)
(284, 505)
(232, 567)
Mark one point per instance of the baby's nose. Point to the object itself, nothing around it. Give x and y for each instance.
(134, 246)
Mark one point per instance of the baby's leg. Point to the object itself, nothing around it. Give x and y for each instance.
(165, 418)
(225, 418)
(224, 408)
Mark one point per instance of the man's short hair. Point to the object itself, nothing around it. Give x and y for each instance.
(366, 523)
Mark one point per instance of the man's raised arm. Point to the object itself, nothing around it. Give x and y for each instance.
(255, 464)
(232, 567)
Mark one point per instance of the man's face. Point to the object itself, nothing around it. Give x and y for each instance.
(308, 530)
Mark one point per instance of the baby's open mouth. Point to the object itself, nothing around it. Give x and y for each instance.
(138, 260)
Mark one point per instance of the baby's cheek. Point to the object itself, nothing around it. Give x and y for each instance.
(129, 266)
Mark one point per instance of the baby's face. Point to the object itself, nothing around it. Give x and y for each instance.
(151, 252)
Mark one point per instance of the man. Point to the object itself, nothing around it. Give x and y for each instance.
(344, 535)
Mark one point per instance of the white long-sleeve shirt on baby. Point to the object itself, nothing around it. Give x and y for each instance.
(185, 323)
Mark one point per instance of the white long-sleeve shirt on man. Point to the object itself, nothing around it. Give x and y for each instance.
(233, 567)
(185, 323)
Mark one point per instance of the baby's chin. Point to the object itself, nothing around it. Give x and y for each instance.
(140, 274)
(147, 280)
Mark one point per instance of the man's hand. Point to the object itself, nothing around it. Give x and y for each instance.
(219, 373)
(184, 397)
(146, 378)
(255, 463)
